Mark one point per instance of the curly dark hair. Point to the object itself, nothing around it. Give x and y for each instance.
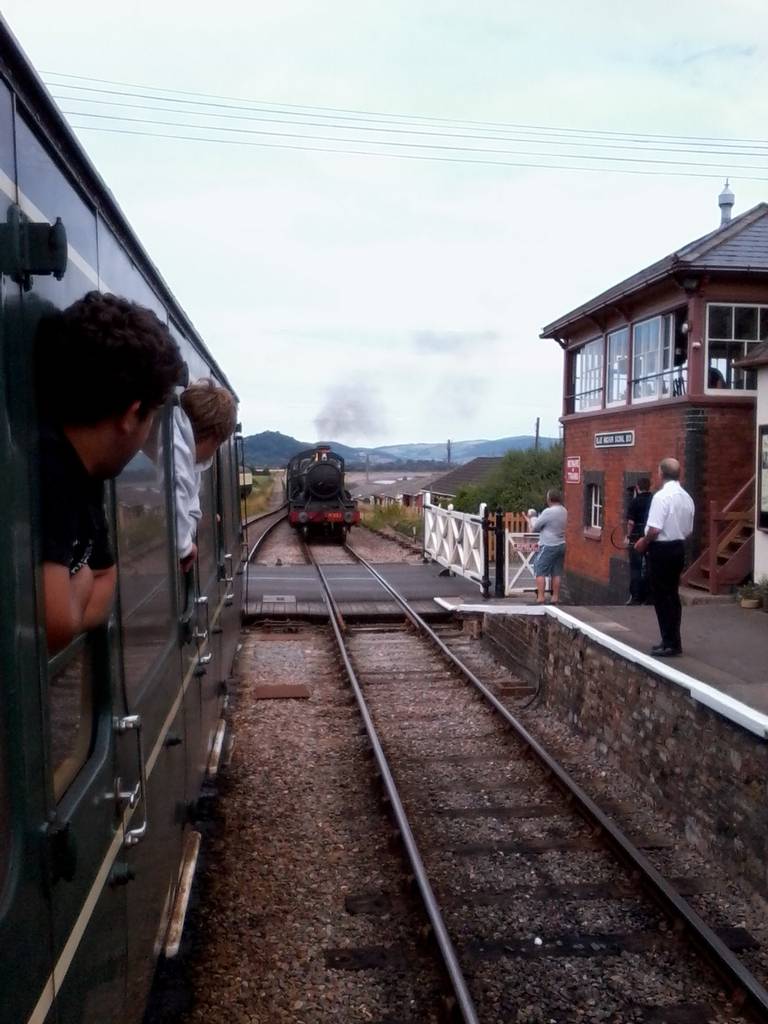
(99, 356)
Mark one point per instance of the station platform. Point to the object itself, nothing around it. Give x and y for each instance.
(294, 590)
(725, 646)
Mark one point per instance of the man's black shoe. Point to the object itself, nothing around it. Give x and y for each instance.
(666, 652)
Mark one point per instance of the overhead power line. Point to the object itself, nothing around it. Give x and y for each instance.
(373, 133)
(406, 156)
(385, 128)
(335, 111)
(410, 145)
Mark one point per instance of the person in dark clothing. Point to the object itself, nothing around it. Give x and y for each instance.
(104, 367)
(637, 516)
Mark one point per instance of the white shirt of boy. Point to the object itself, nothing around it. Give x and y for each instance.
(187, 476)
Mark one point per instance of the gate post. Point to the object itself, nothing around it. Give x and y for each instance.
(501, 539)
(486, 551)
(426, 500)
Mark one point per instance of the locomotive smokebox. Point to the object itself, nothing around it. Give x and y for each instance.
(323, 480)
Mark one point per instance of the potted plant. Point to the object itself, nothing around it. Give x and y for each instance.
(762, 586)
(749, 596)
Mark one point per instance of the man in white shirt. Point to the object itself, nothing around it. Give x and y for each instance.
(669, 523)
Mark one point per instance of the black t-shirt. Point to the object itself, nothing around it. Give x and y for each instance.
(638, 513)
(74, 525)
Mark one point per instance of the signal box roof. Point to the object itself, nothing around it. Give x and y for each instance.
(741, 246)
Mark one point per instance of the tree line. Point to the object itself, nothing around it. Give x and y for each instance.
(519, 483)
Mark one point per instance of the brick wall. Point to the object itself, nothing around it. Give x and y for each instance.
(701, 769)
(714, 442)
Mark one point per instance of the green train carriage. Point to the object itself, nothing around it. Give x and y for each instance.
(103, 750)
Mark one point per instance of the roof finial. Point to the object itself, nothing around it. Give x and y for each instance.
(726, 199)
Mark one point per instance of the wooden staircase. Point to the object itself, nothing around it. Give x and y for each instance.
(727, 560)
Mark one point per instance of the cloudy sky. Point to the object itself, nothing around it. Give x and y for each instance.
(405, 293)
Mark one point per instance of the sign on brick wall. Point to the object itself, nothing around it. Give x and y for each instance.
(573, 469)
(616, 439)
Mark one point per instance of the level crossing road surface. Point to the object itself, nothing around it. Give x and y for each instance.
(296, 589)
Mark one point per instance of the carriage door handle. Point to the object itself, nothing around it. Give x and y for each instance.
(121, 725)
(229, 595)
(228, 568)
(202, 635)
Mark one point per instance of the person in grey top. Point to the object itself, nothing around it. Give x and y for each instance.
(550, 526)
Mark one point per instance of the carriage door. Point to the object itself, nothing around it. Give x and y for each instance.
(152, 757)
(230, 554)
(25, 921)
(203, 693)
(83, 832)
(202, 646)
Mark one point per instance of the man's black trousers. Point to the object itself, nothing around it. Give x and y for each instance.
(638, 575)
(665, 564)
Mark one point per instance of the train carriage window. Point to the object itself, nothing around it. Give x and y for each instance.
(143, 543)
(206, 532)
(5, 821)
(227, 495)
(70, 712)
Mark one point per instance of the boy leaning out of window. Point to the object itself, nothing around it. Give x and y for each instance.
(202, 422)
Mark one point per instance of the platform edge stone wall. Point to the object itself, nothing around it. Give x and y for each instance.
(703, 771)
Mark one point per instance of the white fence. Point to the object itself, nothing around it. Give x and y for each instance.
(456, 541)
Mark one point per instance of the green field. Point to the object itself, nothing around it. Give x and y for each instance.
(258, 500)
(406, 521)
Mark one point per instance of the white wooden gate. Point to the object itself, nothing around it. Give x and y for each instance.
(454, 540)
(520, 550)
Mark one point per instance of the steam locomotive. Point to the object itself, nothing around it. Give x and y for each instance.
(317, 500)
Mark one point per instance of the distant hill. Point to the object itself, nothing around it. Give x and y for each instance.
(463, 451)
(271, 448)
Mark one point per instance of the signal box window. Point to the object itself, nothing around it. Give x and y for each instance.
(659, 358)
(588, 376)
(618, 367)
(595, 506)
(731, 332)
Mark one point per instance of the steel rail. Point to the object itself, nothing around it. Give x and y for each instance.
(747, 991)
(264, 515)
(447, 950)
(262, 537)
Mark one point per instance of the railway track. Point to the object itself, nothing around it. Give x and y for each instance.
(262, 526)
(541, 908)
